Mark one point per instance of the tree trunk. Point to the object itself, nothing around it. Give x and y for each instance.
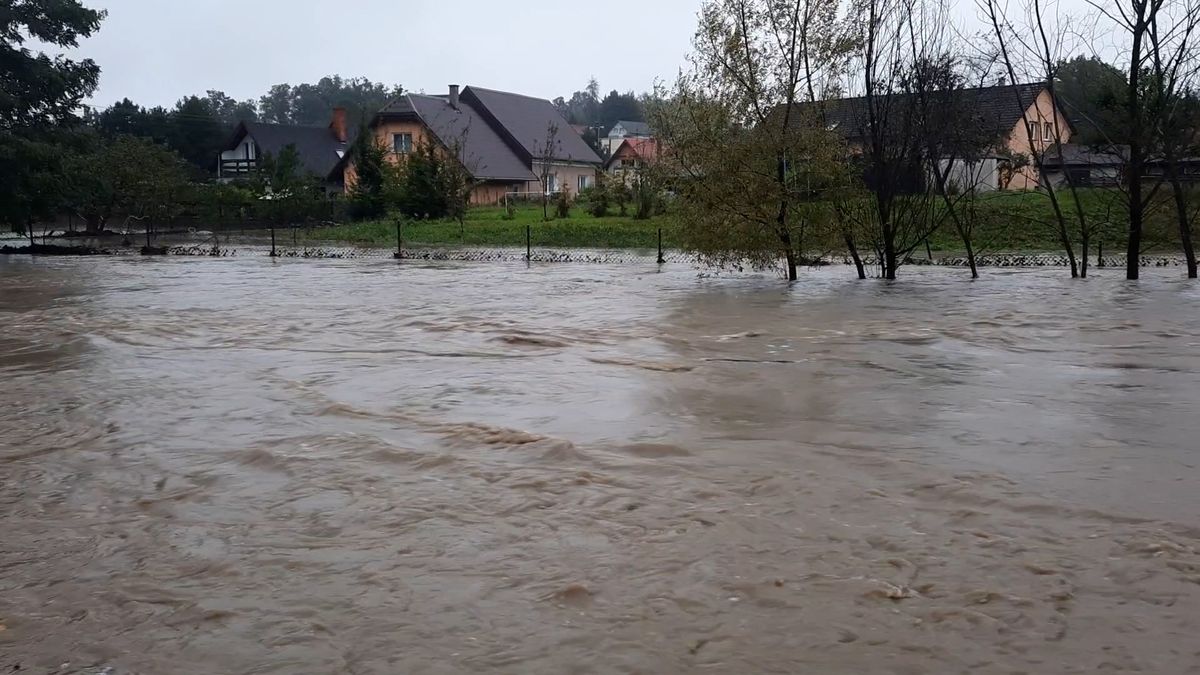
(785, 235)
(858, 263)
(970, 254)
(1065, 240)
(1181, 213)
(1133, 103)
(1083, 249)
(1133, 247)
(889, 258)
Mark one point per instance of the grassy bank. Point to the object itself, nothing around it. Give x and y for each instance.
(489, 227)
(1007, 221)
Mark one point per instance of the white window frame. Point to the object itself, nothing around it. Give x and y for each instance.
(1047, 131)
(1034, 128)
(408, 148)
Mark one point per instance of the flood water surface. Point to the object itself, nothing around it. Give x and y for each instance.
(239, 466)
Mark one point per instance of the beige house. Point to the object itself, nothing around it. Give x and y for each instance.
(510, 144)
(1023, 118)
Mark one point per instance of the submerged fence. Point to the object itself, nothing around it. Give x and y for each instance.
(306, 243)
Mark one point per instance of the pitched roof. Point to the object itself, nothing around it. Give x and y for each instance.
(523, 121)
(1074, 155)
(484, 153)
(634, 128)
(995, 107)
(645, 149)
(319, 150)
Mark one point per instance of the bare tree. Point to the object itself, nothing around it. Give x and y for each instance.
(1014, 51)
(1135, 21)
(1174, 108)
(545, 152)
(904, 86)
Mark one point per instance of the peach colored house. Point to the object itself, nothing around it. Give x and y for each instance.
(501, 139)
(1023, 118)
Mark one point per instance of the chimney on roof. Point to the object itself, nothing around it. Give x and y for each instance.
(454, 96)
(338, 124)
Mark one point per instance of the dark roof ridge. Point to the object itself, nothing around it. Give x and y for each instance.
(507, 93)
(964, 89)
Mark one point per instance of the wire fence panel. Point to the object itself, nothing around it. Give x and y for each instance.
(298, 243)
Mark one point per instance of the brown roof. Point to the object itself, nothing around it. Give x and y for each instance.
(645, 149)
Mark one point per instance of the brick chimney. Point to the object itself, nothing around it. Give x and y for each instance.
(454, 96)
(339, 124)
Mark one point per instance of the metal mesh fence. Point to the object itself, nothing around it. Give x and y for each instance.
(304, 243)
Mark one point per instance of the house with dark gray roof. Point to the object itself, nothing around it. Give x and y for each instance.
(320, 148)
(625, 129)
(509, 143)
(1023, 118)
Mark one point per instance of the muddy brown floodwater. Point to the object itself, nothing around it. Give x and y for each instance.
(239, 466)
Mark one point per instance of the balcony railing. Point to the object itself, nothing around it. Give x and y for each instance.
(238, 168)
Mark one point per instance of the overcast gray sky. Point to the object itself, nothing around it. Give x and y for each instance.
(156, 51)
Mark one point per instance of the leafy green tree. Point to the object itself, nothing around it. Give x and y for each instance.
(1091, 91)
(38, 90)
(369, 188)
(31, 182)
(749, 160)
(311, 103)
(424, 194)
(286, 191)
(39, 97)
(122, 176)
(196, 133)
(616, 107)
(275, 106)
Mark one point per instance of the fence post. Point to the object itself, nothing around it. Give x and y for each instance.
(1100, 253)
(273, 253)
(399, 239)
(661, 260)
(528, 243)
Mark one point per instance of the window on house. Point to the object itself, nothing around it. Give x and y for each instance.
(551, 182)
(628, 163)
(401, 143)
(1048, 131)
(585, 182)
(1033, 131)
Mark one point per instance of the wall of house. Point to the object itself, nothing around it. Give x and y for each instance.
(619, 162)
(1041, 111)
(492, 193)
(567, 175)
(383, 133)
(245, 150)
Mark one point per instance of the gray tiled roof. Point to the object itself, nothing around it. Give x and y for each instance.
(1082, 155)
(634, 128)
(316, 145)
(996, 108)
(485, 153)
(523, 121)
